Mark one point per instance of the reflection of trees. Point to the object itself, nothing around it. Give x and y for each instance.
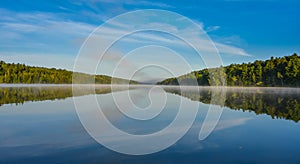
(278, 103)
(19, 95)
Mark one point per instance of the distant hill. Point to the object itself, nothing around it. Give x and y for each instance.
(283, 71)
(20, 73)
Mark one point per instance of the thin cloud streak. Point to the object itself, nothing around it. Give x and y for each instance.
(119, 28)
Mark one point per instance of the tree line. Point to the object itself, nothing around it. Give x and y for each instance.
(280, 71)
(20, 73)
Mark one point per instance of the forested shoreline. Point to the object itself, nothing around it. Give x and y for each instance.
(280, 71)
(20, 73)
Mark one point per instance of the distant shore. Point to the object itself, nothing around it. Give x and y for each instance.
(148, 85)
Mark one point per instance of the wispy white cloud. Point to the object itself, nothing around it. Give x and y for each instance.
(154, 4)
(14, 25)
(41, 22)
(212, 28)
(231, 50)
(226, 124)
(63, 61)
(136, 3)
(148, 37)
(230, 40)
(19, 29)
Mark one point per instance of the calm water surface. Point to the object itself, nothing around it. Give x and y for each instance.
(258, 125)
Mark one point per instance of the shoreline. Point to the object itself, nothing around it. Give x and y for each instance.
(141, 85)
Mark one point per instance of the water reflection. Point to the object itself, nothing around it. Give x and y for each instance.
(19, 95)
(282, 103)
(50, 131)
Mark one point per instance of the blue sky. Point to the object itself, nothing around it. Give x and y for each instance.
(50, 32)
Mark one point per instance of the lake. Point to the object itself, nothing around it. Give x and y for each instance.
(40, 124)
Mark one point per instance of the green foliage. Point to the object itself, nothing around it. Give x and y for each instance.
(282, 104)
(283, 71)
(19, 95)
(20, 73)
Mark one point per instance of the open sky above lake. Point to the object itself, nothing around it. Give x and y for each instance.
(50, 33)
